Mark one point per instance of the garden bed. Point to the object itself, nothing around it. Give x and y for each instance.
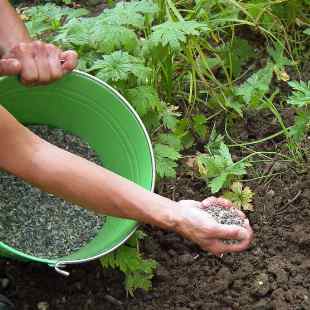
(272, 274)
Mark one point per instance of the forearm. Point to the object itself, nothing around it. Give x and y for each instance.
(12, 29)
(78, 180)
(91, 186)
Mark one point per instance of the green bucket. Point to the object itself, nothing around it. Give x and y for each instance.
(91, 109)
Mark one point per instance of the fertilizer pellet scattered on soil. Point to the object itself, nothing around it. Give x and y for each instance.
(226, 216)
(39, 223)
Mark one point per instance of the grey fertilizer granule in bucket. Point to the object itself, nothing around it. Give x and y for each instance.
(38, 223)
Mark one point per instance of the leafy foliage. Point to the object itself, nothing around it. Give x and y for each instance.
(133, 13)
(48, 17)
(128, 259)
(218, 169)
(240, 196)
(235, 54)
(92, 34)
(120, 66)
(166, 156)
(144, 99)
(173, 34)
(256, 86)
(300, 99)
(301, 94)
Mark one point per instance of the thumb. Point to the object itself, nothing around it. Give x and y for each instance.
(10, 66)
(69, 60)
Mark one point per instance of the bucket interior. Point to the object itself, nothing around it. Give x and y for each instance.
(88, 108)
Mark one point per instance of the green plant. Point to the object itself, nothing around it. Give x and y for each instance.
(240, 196)
(218, 168)
(138, 271)
(300, 100)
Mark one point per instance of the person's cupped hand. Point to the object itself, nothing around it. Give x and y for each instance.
(200, 227)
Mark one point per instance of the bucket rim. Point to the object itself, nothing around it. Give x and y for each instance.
(59, 264)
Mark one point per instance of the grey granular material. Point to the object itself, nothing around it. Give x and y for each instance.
(39, 223)
(226, 216)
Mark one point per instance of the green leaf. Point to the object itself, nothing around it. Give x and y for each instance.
(170, 140)
(138, 271)
(163, 150)
(200, 127)
(218, 183)
(143, 98)
(219, 169)
(48, 17)
(120, 66)
(256, 86)
(302, 122)
(89, 33)
(165, 167)
(301, 94)
(166, 157)
(240, 197)
(174, 34)
(133, 13)
(277, 55)
(236, 54)
(307, 31)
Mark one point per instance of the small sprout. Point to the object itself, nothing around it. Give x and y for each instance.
(241, 197)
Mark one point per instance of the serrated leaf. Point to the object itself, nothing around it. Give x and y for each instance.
(166, 157)
(278, 57)
(241, 197)
(235, 54)
(174, 34)
(137, 270)
(200, 127)
(236, 187)
(219, 168)
(218, 182)
(302, 122)
(165, 167)
(92, 34)
(48, 17)
(256, 86)
(171, 140)
(301, 94)
(162, 150)
(133, 13)
(120, 66)
(143, 98)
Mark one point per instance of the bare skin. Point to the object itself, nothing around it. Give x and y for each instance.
(78, 180)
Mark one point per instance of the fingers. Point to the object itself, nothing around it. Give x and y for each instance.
(70, 60)
(217, 202)
(218, 247)
(40, 63)
(221, 203)
(41, 58)
(229, 232)
(9, 66)
(54, 56)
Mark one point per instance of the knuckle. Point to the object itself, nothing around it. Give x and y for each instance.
(29, 78)
(38, 43)
(22, 47)
(50, 47)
